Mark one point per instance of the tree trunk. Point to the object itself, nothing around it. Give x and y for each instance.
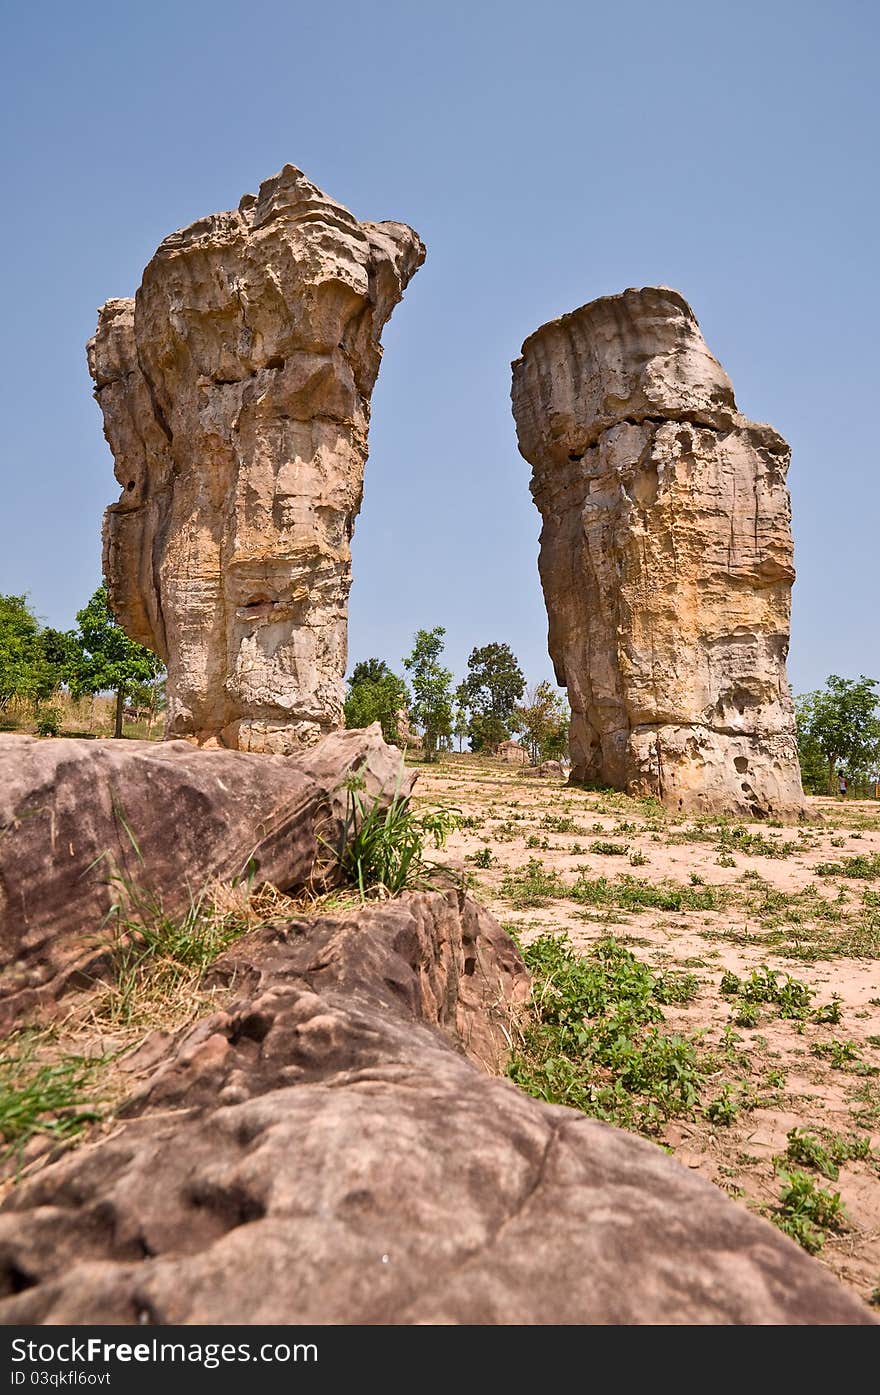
(831, 790)
(120, 703)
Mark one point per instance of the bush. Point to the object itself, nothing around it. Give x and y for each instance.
(49, 721)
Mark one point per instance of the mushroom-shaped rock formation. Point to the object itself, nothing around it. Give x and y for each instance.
(666, 557)
(235, 390)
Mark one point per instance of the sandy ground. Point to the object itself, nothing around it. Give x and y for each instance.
(821, 928)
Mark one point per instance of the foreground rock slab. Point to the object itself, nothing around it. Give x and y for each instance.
(328, 1150)
(235, 390)
(666, 558)
(81, 819)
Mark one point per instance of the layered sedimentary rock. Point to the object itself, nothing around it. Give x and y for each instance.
(666, 557)
(235, 390)
(330, 1147)
(79, 820)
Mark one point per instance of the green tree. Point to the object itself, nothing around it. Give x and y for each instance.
(494, 685)
(34, 661)
(432, 690)
(375, 694)
(543, 719)
(839, 724)
(107, 659)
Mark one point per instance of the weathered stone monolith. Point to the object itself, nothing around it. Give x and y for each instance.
(235, 390)
(666, 557)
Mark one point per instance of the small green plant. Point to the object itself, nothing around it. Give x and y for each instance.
(789, 995)
(637, 858)
(559, 823)
(534, 840)
(609, 849)
(725, 860)
(806, 1151)
(631, 894)
(43, 1098)
(532, 885)
(383, 843)
(826, 1157)
(670, 987)
(806, 1212)
(484, 857)
(862, 867)
(747, 1015)
(828, 1013)
(723, 1109)
(49, 721)
(839, 1054)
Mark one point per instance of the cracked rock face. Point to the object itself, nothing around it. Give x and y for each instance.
(666, 557)
(331, 1148)
(235, 390)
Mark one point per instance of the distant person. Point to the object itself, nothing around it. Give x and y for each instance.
(841, 784)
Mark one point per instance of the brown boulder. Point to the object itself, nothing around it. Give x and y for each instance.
(323, 1151)
(547, 770)
(76, 816)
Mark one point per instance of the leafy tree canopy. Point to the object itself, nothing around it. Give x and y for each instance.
(34, 661)
(375, 694)
(432, 689)
(494, 684)
(107, 658)
(840, 724)
(543, 719)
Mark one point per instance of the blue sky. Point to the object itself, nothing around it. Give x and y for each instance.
(547, 154)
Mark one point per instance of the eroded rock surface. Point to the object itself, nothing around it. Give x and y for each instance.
(666, 557)
(235, 390)
(79, 819)
(325, 1151)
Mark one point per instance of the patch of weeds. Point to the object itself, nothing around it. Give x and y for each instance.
(609, 849)
(638, 858)
(806, 1212)
(596, 1040)
(746, 1015)
(560, 823)
(532, 885)
(862, 866)
(483, 857)
(723, 1109)
(534, 841)
(826, 1157)
(671, 987)
(630, 894)
(43, 1098)
(725, 860)
(839, 1054)
(828, 1013)
(792, 997)
(740, 839)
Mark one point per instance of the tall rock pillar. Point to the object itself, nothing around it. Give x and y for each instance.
(235, 389)
(666, 558)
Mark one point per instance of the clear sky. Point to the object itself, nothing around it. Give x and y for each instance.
(547, 153)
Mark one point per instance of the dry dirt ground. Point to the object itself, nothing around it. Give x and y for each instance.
(788, 898)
